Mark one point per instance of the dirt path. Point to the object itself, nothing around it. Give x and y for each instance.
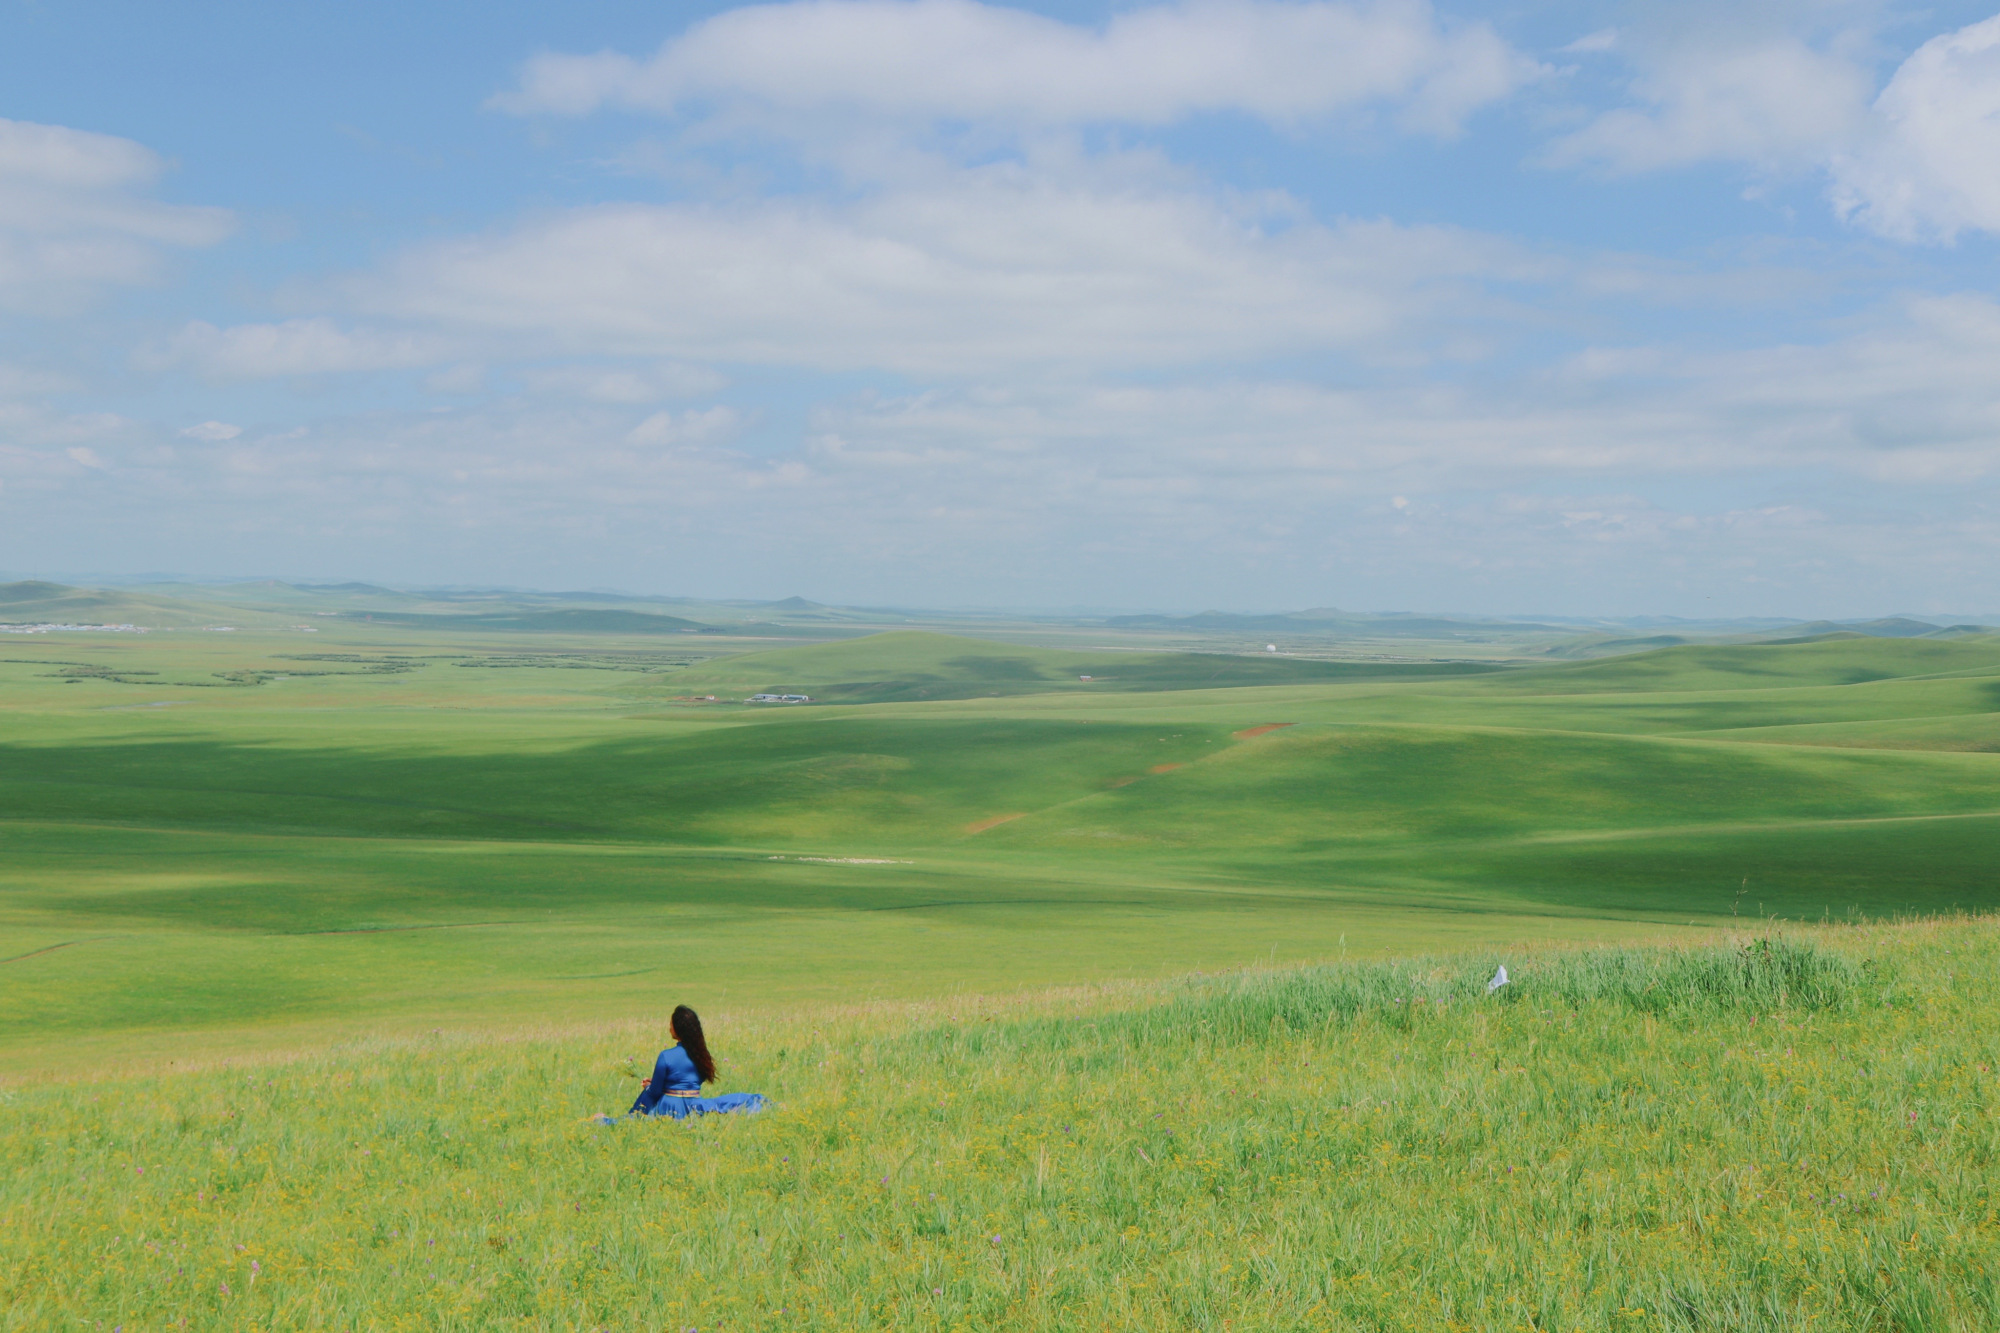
(994, 822)
(1248, 732)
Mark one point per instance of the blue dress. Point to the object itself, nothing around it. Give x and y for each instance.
(674, 1072)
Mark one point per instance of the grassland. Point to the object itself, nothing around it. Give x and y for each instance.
(1084, 1003)
(1787, 1131)
(234, 842)
(913, 665)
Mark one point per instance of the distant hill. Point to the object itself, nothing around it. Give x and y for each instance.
(1840, 659)
(1327, 620)
(581, 620)
(34, 602)
(1590, 646)
(1889, 627)
(521, 607)
(906, 665)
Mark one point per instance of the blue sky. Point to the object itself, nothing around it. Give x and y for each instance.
(1573, 308)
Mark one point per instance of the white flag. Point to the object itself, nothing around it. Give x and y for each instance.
(1499, 980)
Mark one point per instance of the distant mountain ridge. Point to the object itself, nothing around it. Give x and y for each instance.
(916, 665)
(274, 602)
(37, 601)
(573, 620)
(1328, 620)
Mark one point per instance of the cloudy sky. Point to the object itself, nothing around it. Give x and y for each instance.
(1579, 308)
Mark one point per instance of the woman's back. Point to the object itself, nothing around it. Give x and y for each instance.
(681, 1069)
(678, 1067)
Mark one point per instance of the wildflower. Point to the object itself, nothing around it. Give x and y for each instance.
(225, 1288)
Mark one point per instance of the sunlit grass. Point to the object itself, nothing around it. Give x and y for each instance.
(1782, 1132)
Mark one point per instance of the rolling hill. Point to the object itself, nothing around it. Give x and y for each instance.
(1330, 621)
(911, 665)
(567, 620)
(1845, 659)
(35, 601)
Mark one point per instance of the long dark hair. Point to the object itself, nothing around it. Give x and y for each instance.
(686, 1025)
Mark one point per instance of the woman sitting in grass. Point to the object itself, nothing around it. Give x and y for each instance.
(675, 1088)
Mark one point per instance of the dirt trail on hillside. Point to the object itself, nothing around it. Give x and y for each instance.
(1248, 732)
(994, 822)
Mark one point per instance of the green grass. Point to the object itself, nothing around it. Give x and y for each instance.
(1787, 1131)
(1842, 661)
(568, 620)
(259, 839)
(910, 665)
(316, 949)
(36, 602)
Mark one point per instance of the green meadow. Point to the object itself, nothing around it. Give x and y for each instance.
(1786, 1130)
(214, 843)
(1148, 1000)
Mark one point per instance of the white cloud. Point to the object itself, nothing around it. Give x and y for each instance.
(1777, 103)
(689, 428)
(1279, 61)
(211, 431)
(1021, 486)
(296, 347)
(1912, 399)
(469, 377)
(23, 381)
(625, 384)
(964, 272)
(74, 217)
(1605, 39)
(1918, 162)
(1929, 167)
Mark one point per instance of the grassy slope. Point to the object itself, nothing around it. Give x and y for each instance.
(422, 833)
(32, 602)
(1845, 661)
(910, 665)
(565, 620)
(1791, 1136)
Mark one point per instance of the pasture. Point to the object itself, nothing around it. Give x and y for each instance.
(1771, 1133)
(1153, 1002)
(217, 844)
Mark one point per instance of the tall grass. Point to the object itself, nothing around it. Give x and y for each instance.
(1783, 1133)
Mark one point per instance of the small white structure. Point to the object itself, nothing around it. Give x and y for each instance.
(1270, 647)
(66, 628)
(777, 699)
